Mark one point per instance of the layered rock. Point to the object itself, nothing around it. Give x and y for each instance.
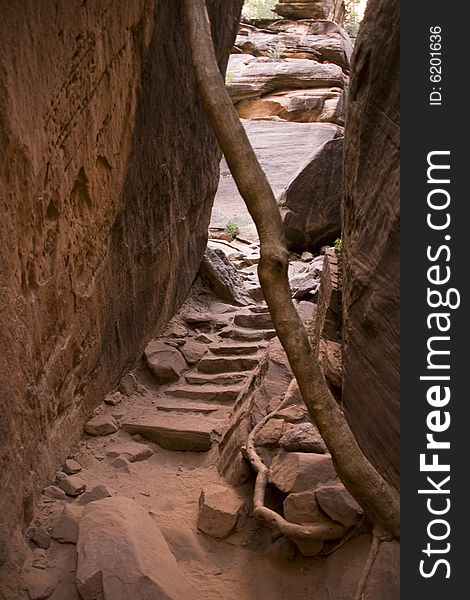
(332, 10)
(371, 210)
(108, 169)
(252, 76)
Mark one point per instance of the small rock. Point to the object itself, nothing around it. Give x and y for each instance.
(338, 504)
(73, 485)
(303, 437)
(101, 425)
(302, 507)
(65, 530)
(164, 362)
(300, 471)
(269, 434)
(219, 508)
(193, 351)
(40, 537)
(97, 493)
(132, 451)
(128, 385)
(306, 256)
(205, 338)
(39, 584)
(121, 463)
(60, 475)
(53, 491)
(174, 330)
(113, 399)
(71, 466)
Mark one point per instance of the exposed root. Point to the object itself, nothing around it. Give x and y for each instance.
(274, 520)
(373, 551)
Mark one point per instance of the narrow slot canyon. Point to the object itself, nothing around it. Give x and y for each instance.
(141, 373)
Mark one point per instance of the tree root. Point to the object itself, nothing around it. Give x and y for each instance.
(373, 551)
(314, 532)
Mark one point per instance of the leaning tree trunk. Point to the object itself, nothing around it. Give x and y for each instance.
(377, 497)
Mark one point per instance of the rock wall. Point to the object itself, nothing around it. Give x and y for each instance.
(371, 212)
(108, 169)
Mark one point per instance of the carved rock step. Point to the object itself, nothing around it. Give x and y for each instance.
(174, 431)
(224, 364)
(248, 335)
(215, 379)
(253, 320)
(205, 392)
(231, 349)
(185, 406)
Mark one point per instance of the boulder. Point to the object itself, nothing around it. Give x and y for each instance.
(252, 77)
(270, 434)
(128, 384)
(272, 142)
(71, 467)
(219, 507)
(323, 105)
(73, 485)
(311, 202)
(133, 451)
(164, 362)
(98, 492)
(338, 504)
(55, 492)
(193, 351)
(122, 554)
(302, 437)
(223, 278)
(103, 424)
(65, 529)
(299, 471)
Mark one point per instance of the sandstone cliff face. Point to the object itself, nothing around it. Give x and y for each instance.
(371, 239)
(108, 170)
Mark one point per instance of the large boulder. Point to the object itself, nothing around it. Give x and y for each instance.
(371, 240)
(223, 278)
(272, 142)
(122, 554)
(311, 203)
(108, 170)
(165, 362)
(252, 77)
(321, 105)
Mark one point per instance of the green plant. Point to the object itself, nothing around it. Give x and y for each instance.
(338, 245)
(229, 77)
(232, 228)
(259, 9)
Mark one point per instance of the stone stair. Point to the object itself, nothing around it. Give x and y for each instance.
(192, 411)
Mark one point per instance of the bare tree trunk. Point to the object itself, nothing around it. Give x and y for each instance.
(379, 500)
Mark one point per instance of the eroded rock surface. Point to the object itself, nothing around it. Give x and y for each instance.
(108, 169)
(371, 240)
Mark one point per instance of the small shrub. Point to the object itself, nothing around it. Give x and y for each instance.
(338, 245)
(232, 228)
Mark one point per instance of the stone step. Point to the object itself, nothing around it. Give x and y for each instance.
(206, 392)
(225, 364)
(215, 379)
(188, 406)
(248, 335)
(174, 431)
(239, 348)
(253, 320)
